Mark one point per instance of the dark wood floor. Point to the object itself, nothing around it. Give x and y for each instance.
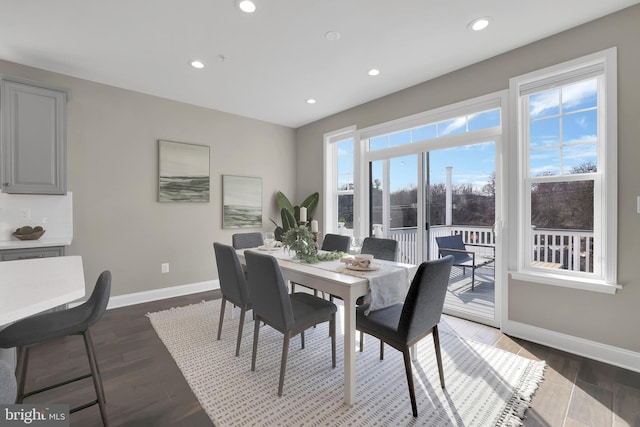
(144, 387)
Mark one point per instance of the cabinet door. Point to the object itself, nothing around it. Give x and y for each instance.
(30, 253)
(33, 120)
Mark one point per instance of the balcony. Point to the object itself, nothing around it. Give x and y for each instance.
(563, 249)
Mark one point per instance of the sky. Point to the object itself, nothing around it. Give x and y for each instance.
(563, 135)
(471, 164)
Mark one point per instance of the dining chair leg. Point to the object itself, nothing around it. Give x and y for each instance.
(95, 375)
(473, 278)
(332, 329)
(436, 344)
(256, 331)
(222, 306)
(283, 362)
(361, 341)
(243, 312)
(407, 366)
(302, 340)
(381, 350)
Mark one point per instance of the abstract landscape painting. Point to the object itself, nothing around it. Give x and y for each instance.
(242, 201)
(184, 172)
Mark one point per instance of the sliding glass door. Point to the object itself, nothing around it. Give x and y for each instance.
(393, 196)
(418, 199)
(461, 200)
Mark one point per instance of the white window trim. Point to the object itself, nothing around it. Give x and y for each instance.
(607, 160)
(330, 183)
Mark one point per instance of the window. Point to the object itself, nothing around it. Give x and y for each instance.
(567, 149)
(462, 124)
(339, 180)
(344, 190)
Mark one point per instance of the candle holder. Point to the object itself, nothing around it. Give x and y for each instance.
(315, 237)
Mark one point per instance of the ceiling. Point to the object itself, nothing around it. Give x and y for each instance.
(265, 65)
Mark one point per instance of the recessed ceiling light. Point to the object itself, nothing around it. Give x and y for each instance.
(197, 64)
(479, 24)
(332, 35)
(247, 6)
(311, 101)
(374, 72)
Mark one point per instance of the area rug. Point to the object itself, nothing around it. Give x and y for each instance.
(485, 386)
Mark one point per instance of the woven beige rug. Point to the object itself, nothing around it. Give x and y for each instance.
(485, 386)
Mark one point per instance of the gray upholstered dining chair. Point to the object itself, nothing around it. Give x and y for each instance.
(41, 328)
(404, 324)
(290, 314)
(247, 240)
(331, 242)
(233, 285)
(8, 386)
(336, 242)
(386, 249)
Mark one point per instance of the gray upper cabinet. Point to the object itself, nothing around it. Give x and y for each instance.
(33, 146)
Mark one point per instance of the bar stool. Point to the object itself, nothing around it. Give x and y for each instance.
(49, 326)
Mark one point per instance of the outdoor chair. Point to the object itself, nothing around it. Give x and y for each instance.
(404, 324)
(462, 257)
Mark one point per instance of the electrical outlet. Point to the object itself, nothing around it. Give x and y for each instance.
(164, 267)
(24, 213)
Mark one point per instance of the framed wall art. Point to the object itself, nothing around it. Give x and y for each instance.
(183, 172)
(241, 201)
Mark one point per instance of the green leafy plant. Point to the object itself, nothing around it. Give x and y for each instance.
(300, 240)
(290, 214)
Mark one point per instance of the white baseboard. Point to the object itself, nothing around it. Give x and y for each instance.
(593, 350)
(158, 294)
(163, 293)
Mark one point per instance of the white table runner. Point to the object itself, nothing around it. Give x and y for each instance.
(388, 284)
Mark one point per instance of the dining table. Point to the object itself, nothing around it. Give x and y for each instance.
(31, 286)
(336, 278)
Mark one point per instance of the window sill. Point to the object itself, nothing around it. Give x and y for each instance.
(565, 282)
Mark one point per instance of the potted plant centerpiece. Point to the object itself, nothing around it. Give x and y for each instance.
(300, 240)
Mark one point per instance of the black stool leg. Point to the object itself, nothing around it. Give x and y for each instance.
(21, 371)
(95, 374)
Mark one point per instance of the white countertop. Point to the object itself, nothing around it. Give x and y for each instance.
(35, 285)
(42, 242)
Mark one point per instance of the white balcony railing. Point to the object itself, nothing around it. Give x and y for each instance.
(573, 250)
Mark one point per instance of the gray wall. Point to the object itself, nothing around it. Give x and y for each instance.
(113, 174)
(601, 318)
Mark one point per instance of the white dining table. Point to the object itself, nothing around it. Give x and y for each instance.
(346, 286)
(31, 286)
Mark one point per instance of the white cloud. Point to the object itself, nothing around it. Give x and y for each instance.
(455, 124)
(571, 96)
